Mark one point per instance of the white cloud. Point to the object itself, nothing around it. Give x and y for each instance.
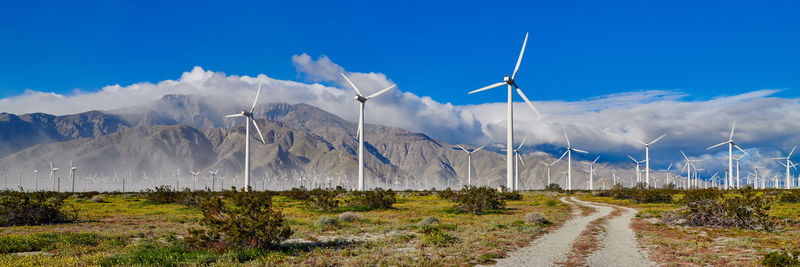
(605, 125)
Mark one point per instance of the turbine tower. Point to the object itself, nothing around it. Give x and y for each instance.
(647, 157)
(737, 168)
(363, 100)
(248, 116)
(194, 176)
(72, 171)
(53, 176)
(568, 153)
(509, 81)
(213, 178)
(517, 157)
(789, 164)
(591, 172)
(638, 173)
(731, 145)
(469, 162)
(548, 170)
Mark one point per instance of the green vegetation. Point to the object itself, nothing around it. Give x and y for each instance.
(18, 208)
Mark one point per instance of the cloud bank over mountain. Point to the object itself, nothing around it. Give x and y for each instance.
(766, 126)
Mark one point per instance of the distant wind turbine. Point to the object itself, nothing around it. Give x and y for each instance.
(72, 171)
(647, 157)
(548, 170)
(638, 173)
(731, 145)
(789, 164)
(362, 100)
(194, 177)
(737, 168)
(568, 153)
(249, 117)
(591, 172)
(53, 176)
(213, 178)
(469, 162)
(509, 81)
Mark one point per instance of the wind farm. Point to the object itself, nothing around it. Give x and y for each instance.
(141, 130)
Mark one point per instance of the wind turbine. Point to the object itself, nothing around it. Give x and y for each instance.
(737, 168)
(248, 116)
(548, 170)
(591, 172)
(363, 100)
(568, 153)
(731, 145)
(516, 165)
(509, 81)
(669, 174)
(213, 178)
(53, 175)
(469, 162)
(638, 173)
(36, 180)
(72, 171)
(647, 157)
(194, 176)
(789, 164)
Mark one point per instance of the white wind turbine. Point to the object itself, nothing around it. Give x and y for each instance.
(469, 162)
(194, 179)
(213, 178)
(35, 180)
(737, 168)
(548, 170)
(518, 157)
(53, 176)
(789, 164)
(669, 175)
(647, 157)
(72, 171)
(731, 145)
(509, 81)
(591, 172)
(688, 168)
(249, 117)
(638, 173)
(363, 100)
(568, 153)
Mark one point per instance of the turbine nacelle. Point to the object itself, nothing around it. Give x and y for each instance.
(361, 98)
(508, 80)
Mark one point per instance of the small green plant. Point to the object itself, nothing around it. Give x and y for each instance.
(327, 223)
(747, 209)
(511, 195)
(20, 208)
(781, 258)
(297, 193)
(438, 238)
(553, 187)
(428, 223)
(478, 200)
(248, 221)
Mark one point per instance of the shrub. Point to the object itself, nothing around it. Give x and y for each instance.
(327, 222)
(746, 209)
(98, 199)
(248, 221)
(780, 258)
(19, 208)
(696, 195)
(640, 194)
(448, 194)
(477, 200)
(791, 196)
(511, 196)
(162, 195)
(428, 222)
(537, 218)
(438, 238)
(297, 193)
(375, 199)
(553, 187)
(322, 199)
(349, 216)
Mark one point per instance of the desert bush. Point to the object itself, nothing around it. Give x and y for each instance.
(790, 196)
(428, 222)
(639, 194)
(781, 258)
(537, 218)
(478, 200)
(374, 199)
(249, 220)
(695, 195)
(86, 194)
(438, 238)
(511, 196)
(322, 199)
(745, 209)
(447, 194)
(327, 222)
(162, 195)
(173, 252)
(349, 216)
(553, 187)
(98, 199)
(19, 208)
(297, 193)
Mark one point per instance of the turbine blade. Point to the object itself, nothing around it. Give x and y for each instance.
(659, 138)
(522, 143)
(670, 166)
(256, 100)
(527, 101)
(581, 151)
(790, 153)
(684, 156)
(519, 60)
(595, 160)
(633, 159)
(380, 92)
(542, 162)
(351, 84)
(521, 160)
(640, 141)
(562, 156)
(740, 149)
(462, 148)
(234, 115)
(565, 135)
(259, 132)
(717, 145)
(487, 87)
(732, 127)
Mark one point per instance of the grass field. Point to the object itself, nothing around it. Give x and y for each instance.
(685, 245)
(128, 230)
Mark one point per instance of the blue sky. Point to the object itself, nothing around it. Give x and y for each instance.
(577, 50)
